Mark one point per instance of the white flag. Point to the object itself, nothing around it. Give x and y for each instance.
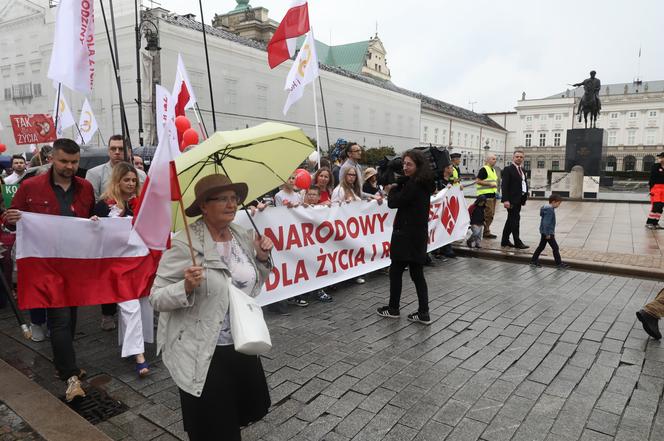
(64, 115)
(166, 117)
(303, 71)
(73, 56)
(87, 124)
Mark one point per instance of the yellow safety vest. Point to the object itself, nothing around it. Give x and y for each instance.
(491, 176)
(455, 177)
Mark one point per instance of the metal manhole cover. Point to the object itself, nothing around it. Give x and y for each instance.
(97, 405)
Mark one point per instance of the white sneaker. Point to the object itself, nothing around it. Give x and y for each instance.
(38, 333)
(360, 280)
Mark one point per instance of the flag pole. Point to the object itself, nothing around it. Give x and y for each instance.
(201, 123)
(207, 61)
(322, 100)
(116, 63)
(175, 186)
(57, 108)
(316, 107)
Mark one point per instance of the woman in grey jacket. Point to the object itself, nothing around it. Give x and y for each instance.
(220, 389)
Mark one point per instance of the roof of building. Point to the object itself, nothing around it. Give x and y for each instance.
(345, 55)
(616, 89)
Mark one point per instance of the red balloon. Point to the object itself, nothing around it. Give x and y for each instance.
(190, 137)
(182, 146)
(182, 123)
(302, 179)
(3, 148)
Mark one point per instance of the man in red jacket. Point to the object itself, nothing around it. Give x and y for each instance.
(59, 192)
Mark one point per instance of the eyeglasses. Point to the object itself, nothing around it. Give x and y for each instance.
(224, 199)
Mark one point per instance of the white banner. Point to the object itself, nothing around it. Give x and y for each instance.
(319, 246)
(165, 109)
(73, 56)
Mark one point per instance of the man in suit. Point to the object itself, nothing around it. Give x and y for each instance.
(514, 189)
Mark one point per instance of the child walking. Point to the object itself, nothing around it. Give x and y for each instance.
(548, 230)
(476, 222)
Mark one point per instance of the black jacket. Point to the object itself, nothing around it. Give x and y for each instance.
(656, 175)
(411, 223)
(510, 184)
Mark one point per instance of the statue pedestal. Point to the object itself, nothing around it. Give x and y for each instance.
(587, 148)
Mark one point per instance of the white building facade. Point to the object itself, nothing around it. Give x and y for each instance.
(368, 110)
(632, 115)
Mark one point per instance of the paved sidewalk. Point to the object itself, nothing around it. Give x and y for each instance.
(602, 232)
(14, 428)
(514, 353)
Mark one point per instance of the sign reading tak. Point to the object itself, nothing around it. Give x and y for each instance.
(33, 129)
(320, 246)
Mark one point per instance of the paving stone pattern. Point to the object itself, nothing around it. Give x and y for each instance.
(513, 353)
(604, 232)
(13, 428)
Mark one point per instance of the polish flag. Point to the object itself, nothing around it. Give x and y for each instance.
(182, 90)
(86, 263)
(152, 225)
(295, 23)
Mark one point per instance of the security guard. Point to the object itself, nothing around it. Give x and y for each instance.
(456, 172)
(487, 185)
(656, 184)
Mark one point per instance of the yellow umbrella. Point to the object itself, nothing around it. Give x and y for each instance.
(263, 157)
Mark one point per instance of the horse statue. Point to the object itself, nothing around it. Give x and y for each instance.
(590, 103)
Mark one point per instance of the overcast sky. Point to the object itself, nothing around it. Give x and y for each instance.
(485, 50)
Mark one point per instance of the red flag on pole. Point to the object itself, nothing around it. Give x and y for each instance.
(295, 23)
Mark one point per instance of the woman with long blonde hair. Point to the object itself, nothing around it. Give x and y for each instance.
(348, 189)
(136, 316)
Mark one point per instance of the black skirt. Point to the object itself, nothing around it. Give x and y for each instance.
(235, 394)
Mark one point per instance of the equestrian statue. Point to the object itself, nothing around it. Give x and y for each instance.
(590, 102)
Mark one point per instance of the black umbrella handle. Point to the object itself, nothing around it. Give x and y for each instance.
(253, 224)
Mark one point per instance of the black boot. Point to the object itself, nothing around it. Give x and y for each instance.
(649, 323)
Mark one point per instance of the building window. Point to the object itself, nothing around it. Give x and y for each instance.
(555, 165)
(542, 141)
(526, 165)
(631, 137)
(652, 114)
(340, 114)
(8, 93)
(529, 118)
(650, 137)
(556, 139)
(458, 138)
(231, 91)
(648, 162)
(36, 89)
(435, 135)
(356, 116)
(629, 163)
(558, 117)
(465, 140)
(540, 163)
(611, 163)
(632, 115)
(614, 115)
(372, 119)
(426, 134)
(529, 139)
(261, 97)
(612, 137)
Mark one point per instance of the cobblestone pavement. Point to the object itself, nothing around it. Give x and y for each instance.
(13, 428)
(604, 232)
(514, 353)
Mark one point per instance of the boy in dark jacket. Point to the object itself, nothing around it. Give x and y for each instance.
(476, 222)
(548, 230)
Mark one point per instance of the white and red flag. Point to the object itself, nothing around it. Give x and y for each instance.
(87, 124)
(62, 113)
(303, 71)
(86, 263)
(73, 56)
(152, 225)
(295, 23)
(183, 92)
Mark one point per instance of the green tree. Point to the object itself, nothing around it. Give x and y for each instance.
(372, 155)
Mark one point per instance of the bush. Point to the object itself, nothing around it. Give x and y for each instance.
(372, 155)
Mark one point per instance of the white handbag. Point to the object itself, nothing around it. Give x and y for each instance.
(248, 327)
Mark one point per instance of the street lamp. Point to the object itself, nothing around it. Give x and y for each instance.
(151, 32)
